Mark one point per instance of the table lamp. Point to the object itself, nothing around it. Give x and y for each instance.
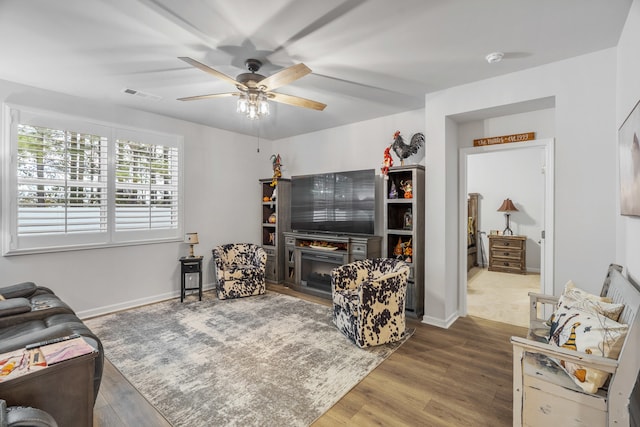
(191, 239)
(507, 207)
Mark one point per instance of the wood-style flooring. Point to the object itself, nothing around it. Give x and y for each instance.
(461, 376)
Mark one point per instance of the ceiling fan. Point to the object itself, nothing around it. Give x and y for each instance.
(254, 89)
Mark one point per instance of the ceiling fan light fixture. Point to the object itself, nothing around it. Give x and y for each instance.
(253, 112)
(263, 105)
(243, 103)
(253, 104)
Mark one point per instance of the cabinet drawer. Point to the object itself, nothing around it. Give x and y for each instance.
(190, 267)
(358, 248)
(507, 266)
(505, 263)
(499, 243)
(500, 254)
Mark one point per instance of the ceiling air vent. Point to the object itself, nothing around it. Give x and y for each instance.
(142, 94)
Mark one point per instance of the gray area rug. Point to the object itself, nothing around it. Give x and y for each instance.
(268, 360)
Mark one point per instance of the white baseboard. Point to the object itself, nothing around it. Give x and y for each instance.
(107, 309)
(445, 324)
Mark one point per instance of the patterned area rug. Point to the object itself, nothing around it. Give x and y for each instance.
(268, 360)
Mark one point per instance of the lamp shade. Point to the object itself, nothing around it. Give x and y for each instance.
(191, 238)
(507, 206)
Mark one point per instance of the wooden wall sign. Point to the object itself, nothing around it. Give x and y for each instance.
(518, 137)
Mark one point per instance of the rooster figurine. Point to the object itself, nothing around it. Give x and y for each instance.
(403, 150)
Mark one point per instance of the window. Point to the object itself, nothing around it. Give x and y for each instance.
(72, 184)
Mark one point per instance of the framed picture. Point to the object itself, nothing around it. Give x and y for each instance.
(629, 157)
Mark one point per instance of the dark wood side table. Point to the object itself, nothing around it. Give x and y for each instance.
(190, 265)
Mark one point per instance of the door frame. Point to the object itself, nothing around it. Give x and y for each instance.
(547, 243)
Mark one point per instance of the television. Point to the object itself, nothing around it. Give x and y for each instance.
(336, 202)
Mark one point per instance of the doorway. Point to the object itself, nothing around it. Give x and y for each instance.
(539, 236)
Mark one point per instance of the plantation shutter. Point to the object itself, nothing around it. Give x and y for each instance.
(62, 181)
(71, 183)
(146, 183)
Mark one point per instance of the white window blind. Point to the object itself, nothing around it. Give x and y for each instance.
(146, 186)
(69, 183)
(62, 181)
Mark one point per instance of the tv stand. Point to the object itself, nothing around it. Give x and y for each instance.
(310, 257)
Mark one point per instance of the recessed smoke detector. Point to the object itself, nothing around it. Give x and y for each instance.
(494, 57)
(142, 94)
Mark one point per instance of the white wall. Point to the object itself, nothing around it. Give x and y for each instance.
(514, 174)
(222, 204)
(350, 147)
(628, 94)
(585, 156)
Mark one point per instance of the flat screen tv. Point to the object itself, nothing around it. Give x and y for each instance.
(336, 202)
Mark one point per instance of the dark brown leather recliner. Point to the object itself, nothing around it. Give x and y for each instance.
(31, 314)
(26, 301)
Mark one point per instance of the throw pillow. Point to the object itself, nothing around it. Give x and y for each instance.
(579, 298)
(590, 333)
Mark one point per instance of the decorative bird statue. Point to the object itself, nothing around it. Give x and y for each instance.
(403, 150)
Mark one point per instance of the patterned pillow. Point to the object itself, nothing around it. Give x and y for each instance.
(578, 298)
(590, 333)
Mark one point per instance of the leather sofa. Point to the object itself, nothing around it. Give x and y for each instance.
(31, 314)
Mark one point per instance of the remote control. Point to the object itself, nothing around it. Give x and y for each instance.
(51, 341)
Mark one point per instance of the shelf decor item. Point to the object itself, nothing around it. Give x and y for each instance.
(277, 166)
(398, 251)
(507, 207)
(387, 161)
(407, 251)
(408, 220)
(406, 150)
(393, 192)
(407, 188)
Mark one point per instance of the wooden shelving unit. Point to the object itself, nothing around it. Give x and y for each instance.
(275, 221)
(404, 229)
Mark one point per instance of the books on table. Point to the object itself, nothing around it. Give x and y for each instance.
(35, 357)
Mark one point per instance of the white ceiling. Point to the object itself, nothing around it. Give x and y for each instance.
(370, 58)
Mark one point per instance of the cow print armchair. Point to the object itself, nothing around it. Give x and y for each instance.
(369, 300)
(240, 270)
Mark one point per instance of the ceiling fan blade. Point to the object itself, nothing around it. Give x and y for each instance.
(213, 95)
(211, 71)
(296, 101)
(284, 77)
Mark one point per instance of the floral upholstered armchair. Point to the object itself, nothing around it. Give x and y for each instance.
(369, 300)
(240, 270)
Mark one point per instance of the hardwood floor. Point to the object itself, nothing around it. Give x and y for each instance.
(461, 376)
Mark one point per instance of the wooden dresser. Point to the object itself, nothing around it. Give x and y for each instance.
(508, 254)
